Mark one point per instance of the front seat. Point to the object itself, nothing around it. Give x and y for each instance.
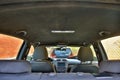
(86, 56)
(40, 62)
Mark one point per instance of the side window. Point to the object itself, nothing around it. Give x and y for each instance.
(31, 51)
(9, 47)
(112, 47)
(94, 53)
(75, 50)
(95, 60)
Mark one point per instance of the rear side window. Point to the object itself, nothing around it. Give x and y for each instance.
(9, 47)
(112, 47)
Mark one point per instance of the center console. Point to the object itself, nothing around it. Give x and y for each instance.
(61, 65)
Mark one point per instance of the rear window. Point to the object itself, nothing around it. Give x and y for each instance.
(9, 46)
(112, 47)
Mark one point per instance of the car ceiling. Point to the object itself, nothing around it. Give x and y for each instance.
(34, 20)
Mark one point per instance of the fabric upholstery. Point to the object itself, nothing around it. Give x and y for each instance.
(40, 53)
(14, 66)
(67, 76)
(85, 54)
(86, 68)
(43, 66)
(22, 76)
(40, 62)
(110, 66)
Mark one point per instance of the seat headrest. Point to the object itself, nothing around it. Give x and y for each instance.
(14, 66)
(110, 66)
(40, 53)
(85, 54)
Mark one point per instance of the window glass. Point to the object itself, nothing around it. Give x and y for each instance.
(94, 53)
(95, 60)
(112, 47)
(31, 51)
(71, 51)
(64, 52)
(9, 46)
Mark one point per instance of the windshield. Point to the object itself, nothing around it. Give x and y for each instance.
(62, 52)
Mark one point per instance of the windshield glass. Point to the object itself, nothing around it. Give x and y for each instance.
(62, 52)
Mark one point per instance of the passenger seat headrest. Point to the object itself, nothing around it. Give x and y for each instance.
(85, 54)
(14, 66)
(110, 66)
(40, 53)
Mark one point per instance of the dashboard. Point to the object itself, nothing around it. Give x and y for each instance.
(63, 64)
